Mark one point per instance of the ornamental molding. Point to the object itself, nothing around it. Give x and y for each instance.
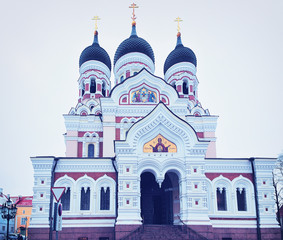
(221, 167)
(99, 77)
(122, 64)
(98, 167)
(95, 65)
(180, 67)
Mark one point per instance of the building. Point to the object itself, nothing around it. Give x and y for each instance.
(22, 219)
(142, 154)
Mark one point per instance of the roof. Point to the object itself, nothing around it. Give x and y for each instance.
(22, 201)
(95, 52)
(134, 44)
(180, 54)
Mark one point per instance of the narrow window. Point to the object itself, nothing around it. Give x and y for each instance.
(23, 221)
(90, 150)
(241, 199)
(103, 89)
(174, 85)
(65, 199)
(122, 79)
(85, 198)
(105, 198)
(83, 89)
(92, 86)
(221, 199)
(185, 87)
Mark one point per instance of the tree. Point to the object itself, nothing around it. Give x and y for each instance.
(278, 187)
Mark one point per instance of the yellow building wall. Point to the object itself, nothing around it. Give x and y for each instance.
(22, 212)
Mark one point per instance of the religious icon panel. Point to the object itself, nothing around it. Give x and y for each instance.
(159, 144)
(143, 95)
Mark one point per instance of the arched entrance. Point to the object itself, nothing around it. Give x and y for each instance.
(158, 205)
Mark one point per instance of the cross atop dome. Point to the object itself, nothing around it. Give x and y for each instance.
(178, 19)
(133, 6)
(96, 18)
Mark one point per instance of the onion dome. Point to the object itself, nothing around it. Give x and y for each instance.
(95, 52)
(134, 44)
(180, 54)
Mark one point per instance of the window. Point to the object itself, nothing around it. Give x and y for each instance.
(3, 228)
(92, 86)
(135, 73)
(174, 85)
(23, 221)
(90, 150)
(103, 91)
(85, 198)
(83, 89)
(185, 87)
(241, 199)
(24, 211)
(105, 198)
(221, 199)
(122, 79)
(65, 199)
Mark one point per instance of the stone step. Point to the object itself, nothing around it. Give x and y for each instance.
(162, 232)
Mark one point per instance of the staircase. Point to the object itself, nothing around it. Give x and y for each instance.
(164, 232)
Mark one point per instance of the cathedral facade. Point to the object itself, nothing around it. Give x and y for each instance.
(143, 153)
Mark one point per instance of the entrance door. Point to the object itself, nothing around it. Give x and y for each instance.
(156, 203)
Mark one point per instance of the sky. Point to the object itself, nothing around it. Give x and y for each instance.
(239, 50)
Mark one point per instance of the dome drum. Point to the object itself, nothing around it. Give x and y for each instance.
(130, 64)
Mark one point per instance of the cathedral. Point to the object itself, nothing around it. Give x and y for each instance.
(141, 157)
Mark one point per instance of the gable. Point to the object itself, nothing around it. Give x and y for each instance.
(143, 89)
(143, 136)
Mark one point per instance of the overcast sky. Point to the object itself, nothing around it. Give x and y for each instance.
(238, 45)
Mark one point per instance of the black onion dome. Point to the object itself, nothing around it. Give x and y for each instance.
(95, 52)
(134, 44)
(180, 54)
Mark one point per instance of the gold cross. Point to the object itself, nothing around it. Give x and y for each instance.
(95, 18)
(133, 6)
(178, 20)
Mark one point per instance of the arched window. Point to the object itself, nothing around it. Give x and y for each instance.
(221, 199)
(90, 150)
(83, 89)
(105, 198)
(174, 85)
(92, 86)
(185, 87)
(135, 73)
(103, 89)
(65, 199)
(85, 198)
(241, 199)
(122, 78)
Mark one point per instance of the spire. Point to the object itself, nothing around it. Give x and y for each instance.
(95, 40)
(179, 40)
(134, 31)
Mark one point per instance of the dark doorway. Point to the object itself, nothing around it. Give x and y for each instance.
(156, 203)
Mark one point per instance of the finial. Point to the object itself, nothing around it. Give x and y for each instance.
(95, 18)
(178, 19)
(133, 6)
